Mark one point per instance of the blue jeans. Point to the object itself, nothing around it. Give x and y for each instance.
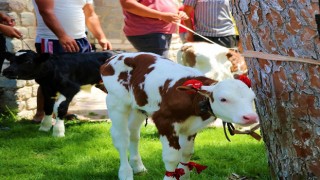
(157, 43)
(83, 44)
(226, 41)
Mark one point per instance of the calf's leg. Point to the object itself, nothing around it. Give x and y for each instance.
(170, 155)
(58, 128)
(119, 114)
(46, 123)
(62, 105)
(187, 149)
(135, 121)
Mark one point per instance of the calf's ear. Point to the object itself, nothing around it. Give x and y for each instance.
(42, 57)
(191, 86)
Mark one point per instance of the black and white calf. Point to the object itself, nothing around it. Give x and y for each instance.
(63, 73)
(180, 100)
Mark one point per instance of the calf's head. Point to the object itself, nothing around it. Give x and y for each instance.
(230, 99)
(25, 64)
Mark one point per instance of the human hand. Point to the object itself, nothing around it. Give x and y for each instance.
(69, 44)
(10, 31)
(105, 44)
(7, 20)
(170, 17)
(183, 15)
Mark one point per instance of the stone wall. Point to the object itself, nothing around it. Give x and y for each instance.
(21, 95)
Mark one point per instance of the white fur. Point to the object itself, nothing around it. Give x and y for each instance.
(211, 60)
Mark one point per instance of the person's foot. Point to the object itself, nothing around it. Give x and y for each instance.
(37, 118)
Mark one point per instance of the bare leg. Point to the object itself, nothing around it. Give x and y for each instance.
(37, 118)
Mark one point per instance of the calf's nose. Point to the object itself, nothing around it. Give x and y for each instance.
(250, 118)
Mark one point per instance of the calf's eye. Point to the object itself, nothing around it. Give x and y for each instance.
(223, 100)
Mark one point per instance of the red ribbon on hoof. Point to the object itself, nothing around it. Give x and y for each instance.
(176, 174)
(245, 79)
(192, 165)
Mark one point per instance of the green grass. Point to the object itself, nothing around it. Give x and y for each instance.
(87, 152)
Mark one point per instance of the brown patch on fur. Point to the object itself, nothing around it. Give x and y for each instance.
(120, 58)
(123, 79)
(236, 60)
(176, 107)
(106, 69)
(138, 75)
(189, 56)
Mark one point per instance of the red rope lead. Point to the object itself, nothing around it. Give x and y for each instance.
(176, 174)
(192, 165)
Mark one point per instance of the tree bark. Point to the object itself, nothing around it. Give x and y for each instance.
(288, 93)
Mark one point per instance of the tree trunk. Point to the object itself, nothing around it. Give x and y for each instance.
(288, 93)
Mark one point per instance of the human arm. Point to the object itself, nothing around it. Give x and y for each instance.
(139, 9)
(94, 26)
(7, 20)
(46, 10)
(6, 26)
(10, 31)
(188, 22)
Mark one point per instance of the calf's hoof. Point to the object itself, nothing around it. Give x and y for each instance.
(125, 174)
(45, 126)
(137, 167)
(58, 129)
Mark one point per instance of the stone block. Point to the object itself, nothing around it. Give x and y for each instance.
(30, 5)
(4, 6)
(21, 83)
(30, 82)
(27, 114)
(32, 33)
(21, 105)
(28, 19)
(34, 90)
(13, 45)
(17, 5)
(24, 93)
(23, 30)
(31, 103)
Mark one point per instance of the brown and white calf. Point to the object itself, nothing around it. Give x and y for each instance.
(180, 101)
(215, 61)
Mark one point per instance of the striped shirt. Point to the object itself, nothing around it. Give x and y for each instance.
(212, 17)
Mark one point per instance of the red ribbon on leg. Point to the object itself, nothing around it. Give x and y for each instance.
(176, 174)
(192, 165)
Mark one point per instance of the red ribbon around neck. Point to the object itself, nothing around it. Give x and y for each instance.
(176, 174)
(245, 79)
(192, 165)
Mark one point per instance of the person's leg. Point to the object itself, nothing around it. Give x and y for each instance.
(2, 50)
(157, 43)
(37, 118)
